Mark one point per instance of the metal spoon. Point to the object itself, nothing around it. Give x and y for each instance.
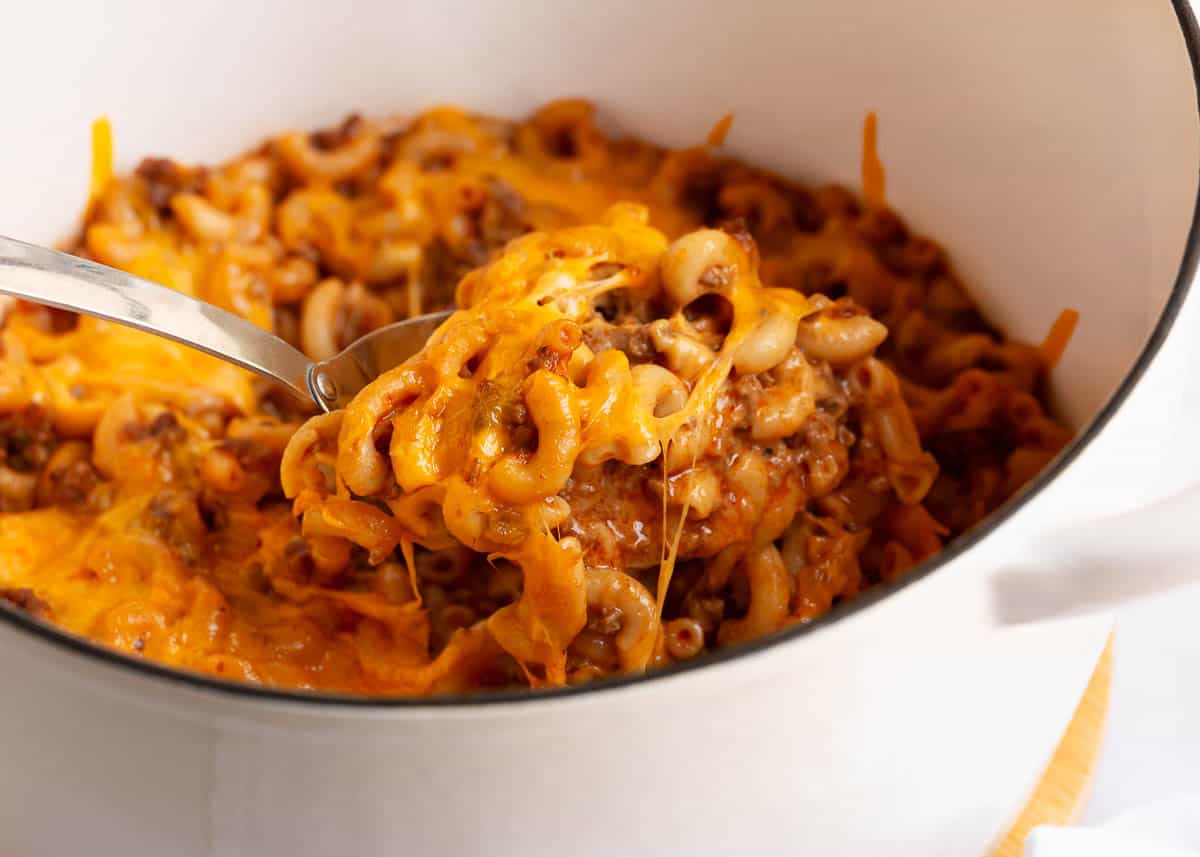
(60, 280)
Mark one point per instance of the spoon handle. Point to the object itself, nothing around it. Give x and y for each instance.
(60, 280)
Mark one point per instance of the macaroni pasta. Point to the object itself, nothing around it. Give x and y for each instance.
(684, 403)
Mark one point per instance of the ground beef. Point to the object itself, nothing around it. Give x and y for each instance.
(25, 599)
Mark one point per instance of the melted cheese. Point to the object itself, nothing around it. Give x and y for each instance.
(183, 550)
(874, 178)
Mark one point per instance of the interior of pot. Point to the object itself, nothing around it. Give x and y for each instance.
(1051, 148)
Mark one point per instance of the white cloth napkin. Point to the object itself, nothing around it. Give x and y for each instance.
(1167, 829)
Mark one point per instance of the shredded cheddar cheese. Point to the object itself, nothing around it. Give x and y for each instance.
(1058, 337)
(102, 159)
(719, 131)
(683, 403)
(874, 177)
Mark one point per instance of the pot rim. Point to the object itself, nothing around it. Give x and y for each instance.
(298, 699)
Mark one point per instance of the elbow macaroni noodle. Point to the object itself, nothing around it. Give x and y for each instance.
(683, 403)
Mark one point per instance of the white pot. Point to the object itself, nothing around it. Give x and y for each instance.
(1052, 146)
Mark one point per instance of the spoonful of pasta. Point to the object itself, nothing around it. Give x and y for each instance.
(67, 282)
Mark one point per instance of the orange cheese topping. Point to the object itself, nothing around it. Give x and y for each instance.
(639, 440)
(719, 131)
(874, 177)
(1058, 337)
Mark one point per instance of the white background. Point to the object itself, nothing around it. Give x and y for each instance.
(1152, 746)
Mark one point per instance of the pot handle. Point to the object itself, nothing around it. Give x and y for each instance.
(1102, 563)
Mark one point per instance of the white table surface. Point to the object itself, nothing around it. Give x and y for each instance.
(1152, 744)
(1152, 747)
